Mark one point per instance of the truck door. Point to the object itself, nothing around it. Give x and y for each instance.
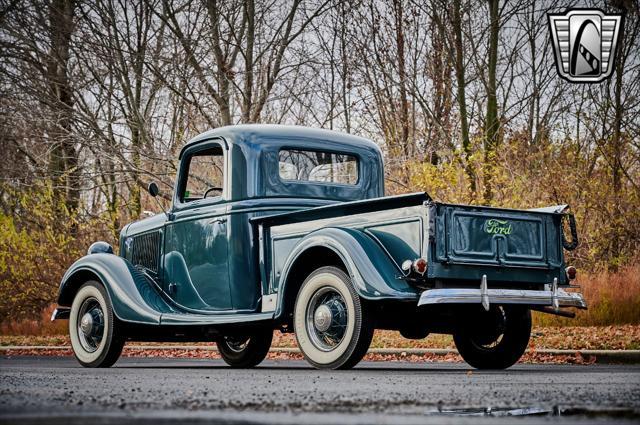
(196, 274)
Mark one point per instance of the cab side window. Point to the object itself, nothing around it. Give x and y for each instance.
(205, 175)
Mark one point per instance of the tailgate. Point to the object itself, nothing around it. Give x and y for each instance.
(496, 237)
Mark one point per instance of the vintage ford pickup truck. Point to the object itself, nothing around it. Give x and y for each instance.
(287, 228)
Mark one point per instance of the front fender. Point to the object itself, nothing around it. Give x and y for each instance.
(133, 296)
(373, 273)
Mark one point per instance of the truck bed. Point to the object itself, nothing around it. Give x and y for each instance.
(461, 243)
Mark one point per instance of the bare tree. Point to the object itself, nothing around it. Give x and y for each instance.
(492, 123)
(247, 48)
(37, 49)
(97, 97)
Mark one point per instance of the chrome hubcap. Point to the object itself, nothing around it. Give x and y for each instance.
(490, 329)
(237, 344)
(327, 318)
(86, 324)
(322, 318)
(90, 325)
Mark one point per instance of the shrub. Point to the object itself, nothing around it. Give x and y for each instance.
(613, 298)
(39, 326)
(39, 240)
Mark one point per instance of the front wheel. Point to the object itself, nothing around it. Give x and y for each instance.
(245, 351)
(494, 339)
(93, 329)
(332, 325)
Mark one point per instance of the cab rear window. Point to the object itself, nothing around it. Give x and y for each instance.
(318, 166)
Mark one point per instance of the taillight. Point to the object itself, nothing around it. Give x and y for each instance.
(571, 272)
(420, 266)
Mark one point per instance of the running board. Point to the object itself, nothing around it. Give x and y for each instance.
(212, 319)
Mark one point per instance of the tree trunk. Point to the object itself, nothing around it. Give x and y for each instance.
(250, 12)
(616, 148)
(402, 74)
(346, 71)
(404, 147)
(462, 99)
(492, 124)
(63, 162)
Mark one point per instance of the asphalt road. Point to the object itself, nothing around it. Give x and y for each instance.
(158, 391)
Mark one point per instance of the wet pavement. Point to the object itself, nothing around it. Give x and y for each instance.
(148, 390)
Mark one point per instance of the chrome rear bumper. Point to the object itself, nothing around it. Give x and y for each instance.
(555, 297)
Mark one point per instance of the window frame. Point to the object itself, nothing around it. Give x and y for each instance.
(185, 165)
(317, 182)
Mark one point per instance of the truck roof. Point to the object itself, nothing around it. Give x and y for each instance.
(248, 133)
(254, 158)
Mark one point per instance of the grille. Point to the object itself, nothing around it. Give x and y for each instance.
(146, 250)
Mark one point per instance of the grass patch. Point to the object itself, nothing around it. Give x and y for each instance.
(613, 298)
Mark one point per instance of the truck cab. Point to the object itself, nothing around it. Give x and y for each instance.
(287, 228)
(203, 252)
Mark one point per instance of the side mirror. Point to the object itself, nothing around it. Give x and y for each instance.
(154, 192)
(153, 189)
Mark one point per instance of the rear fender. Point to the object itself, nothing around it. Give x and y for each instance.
(373, 273)
(132, 294)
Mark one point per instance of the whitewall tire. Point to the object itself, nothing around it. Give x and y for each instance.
(95, 339)
(331, 322)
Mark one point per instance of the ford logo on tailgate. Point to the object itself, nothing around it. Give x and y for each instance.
(498, 227)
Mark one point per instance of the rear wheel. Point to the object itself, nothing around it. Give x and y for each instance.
(93, 328)
(494, 339)
(247, 350)
(332, 325)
